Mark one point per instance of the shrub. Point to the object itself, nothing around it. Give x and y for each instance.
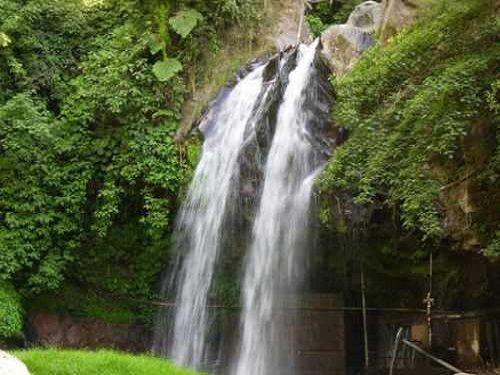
(11, 312)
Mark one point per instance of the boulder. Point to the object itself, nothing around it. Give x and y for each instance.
(10, 365)
(341, 46)
(398, 14)
(367, 16)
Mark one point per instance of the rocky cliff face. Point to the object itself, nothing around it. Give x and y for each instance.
(281, 25)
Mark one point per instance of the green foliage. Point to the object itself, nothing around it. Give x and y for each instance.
(407, 105)
(91, 303)
(493, 249)
(4, 40)
(11, 312)
(40, 195)
(164, 70)
(316, 25)
(90, 174)
(185, 21)
(47, 39)
(72, 362)
(183, 24)
(326, 13)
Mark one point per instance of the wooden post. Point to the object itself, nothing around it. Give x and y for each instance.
(429, 301)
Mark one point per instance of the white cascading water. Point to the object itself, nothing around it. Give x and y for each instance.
(276, 260)
(202, 215)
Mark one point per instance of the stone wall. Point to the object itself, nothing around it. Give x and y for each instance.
(48, 329)
(319, 336)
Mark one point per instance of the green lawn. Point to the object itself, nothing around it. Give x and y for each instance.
(104, 362)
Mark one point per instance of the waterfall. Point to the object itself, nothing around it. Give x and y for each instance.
(275, 264)
(249, 198)
(200, 223)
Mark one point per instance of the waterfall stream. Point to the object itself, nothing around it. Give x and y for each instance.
(201, 217)
(275, 263)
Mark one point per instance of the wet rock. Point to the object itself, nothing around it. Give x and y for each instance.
(342, 45)
(398, 14)
(10, 365)
(367, 16)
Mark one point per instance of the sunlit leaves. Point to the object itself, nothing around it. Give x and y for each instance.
(4, 40)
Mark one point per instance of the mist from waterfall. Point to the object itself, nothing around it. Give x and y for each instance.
(276, 260)
(200, 223)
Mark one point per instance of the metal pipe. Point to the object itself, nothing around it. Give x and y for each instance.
(430, 356)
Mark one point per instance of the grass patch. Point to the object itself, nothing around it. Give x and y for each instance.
(104, 362)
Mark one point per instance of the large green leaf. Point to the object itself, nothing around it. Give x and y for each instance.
(185, 21)
(155, 44)
(166, 69)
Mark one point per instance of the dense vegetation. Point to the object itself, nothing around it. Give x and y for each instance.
(91, 94)
(419, 171)
(322, 14)
(408, 106)
(66, 362)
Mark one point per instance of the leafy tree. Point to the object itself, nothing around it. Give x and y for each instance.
(91, 94)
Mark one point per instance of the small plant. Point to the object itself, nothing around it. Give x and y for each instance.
(183, 24)
(11, 312)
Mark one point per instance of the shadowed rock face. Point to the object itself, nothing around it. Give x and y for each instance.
(10, 365)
